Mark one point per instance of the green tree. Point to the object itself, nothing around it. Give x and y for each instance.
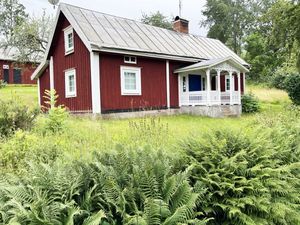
(281, 23)
(157, 19)
(30, 38)
(229, 21)
(12, 14)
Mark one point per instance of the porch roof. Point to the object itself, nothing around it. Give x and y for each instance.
(224, 64)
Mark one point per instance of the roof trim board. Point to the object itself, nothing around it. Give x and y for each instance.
(210, 64)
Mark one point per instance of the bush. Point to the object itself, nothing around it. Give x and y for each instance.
(278, 81)
(2, 84)
(14, 115)
(250, 104)
(246, 179)
(57, 115)
(24, 147)
(292, 86)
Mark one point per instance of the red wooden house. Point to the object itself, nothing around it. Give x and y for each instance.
(101, 64)
(13, 72)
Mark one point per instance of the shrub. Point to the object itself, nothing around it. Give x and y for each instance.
(14, 115)
(57, 115)
(2, 84)
(24, 147)
(250, 103)
(292, 86)
(246, 179)
(278, 81)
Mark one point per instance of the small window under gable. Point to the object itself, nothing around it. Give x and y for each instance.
(70, 83)
(130, 81)
(130, 59)
(69, 40)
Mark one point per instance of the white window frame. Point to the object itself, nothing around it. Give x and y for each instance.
(67, 31)
(69, 73)
(137, 71)
(130, 61)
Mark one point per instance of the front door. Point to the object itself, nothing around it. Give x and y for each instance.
(194, 83)
(17, 76)
(6, 75)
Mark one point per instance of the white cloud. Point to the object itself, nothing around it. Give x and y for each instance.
(132, 9)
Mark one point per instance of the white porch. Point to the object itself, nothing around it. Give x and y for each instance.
(211, 82)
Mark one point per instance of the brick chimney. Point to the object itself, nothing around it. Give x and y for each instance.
(181, 25)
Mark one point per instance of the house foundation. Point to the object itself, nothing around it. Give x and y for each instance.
(216, 111)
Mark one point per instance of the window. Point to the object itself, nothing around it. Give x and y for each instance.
(227, 83)
(69, 40)
(183, 84)
(130, 81)
(70, 83)
(130, 59)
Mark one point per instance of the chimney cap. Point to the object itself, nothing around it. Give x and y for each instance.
(177, 18)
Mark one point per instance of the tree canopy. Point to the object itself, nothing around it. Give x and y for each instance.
(157, 19)
(27, 35)
(265, 32)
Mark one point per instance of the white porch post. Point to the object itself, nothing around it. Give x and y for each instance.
(231, 87)
(219, 85)
(168, 82)
(244, 82)
(239, 86)
(208, 86)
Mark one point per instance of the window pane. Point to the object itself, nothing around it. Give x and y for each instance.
(227, 84)
(70, 40)
(71, 83)
(130, 80)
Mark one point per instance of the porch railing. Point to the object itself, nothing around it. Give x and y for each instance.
(200, 98)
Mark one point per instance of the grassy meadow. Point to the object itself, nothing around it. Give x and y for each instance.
(84, 133)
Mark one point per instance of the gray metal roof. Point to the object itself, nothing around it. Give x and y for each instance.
(7, 54)
(103, 31)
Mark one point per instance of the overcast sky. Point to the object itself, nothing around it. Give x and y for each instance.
(132, 9)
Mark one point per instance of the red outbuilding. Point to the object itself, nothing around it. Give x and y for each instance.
(13, 72)
(100, 64)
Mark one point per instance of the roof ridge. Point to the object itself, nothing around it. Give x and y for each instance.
(124, 18)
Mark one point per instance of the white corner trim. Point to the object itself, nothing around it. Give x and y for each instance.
(95, 82)
(39, 91)
(168, 83)
(51, 72)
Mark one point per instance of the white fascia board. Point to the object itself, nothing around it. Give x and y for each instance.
(150, 55)
(39, 70)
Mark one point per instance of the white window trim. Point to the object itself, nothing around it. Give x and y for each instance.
(68, 31)
(130, 57)
(138, 90)
(68, 73)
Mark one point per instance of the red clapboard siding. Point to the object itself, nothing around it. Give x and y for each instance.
(79, 60)
(153, 79)
(44, 85)
(27, 70)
